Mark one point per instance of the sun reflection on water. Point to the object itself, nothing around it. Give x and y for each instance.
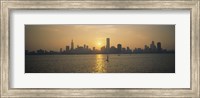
(100, 66)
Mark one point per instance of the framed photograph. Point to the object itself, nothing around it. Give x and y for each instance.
(129, 48)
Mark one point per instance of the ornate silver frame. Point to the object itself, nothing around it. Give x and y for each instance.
(192, 5)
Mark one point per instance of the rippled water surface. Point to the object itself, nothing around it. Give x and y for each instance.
(96, 63)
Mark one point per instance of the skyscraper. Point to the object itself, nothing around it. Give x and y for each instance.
(152, 46)
(72, 45)
(159, 46)
(108, 43)
(67, 48)
(119, 48)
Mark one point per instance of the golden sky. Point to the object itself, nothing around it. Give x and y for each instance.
(54, 37)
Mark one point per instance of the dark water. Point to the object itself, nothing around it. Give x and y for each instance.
(96, 63)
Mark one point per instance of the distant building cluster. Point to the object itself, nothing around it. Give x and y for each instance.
(152, 48)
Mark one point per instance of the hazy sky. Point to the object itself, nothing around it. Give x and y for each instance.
(54, 37)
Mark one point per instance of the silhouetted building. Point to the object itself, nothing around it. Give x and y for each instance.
(40, 51)
(128, 50)
(137, 50)
(87, 47)
(72, 45)
(84, 46)
(67, 49)
(103, 49)
(119, 48)
(60, 50)
(159, 48)
(107, 43)
(146, 49)
(153, 47)
(93, 49)
(123, 50)
(113, 49)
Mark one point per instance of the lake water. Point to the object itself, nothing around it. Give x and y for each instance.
(96, 63)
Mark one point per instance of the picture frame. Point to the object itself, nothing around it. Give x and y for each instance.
(7, 6)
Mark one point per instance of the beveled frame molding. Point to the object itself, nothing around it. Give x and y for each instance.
(192, 5)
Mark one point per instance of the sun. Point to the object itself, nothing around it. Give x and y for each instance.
(99, 43)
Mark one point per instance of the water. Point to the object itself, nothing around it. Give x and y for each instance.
(96, 63)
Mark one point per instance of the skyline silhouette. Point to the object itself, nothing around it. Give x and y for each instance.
(54, 37)
(107, 49)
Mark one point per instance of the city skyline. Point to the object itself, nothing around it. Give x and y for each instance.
(129, 38)
(107, 49)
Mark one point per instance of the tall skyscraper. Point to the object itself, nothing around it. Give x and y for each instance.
(72, 45)
(108, 43)
(159, 48)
